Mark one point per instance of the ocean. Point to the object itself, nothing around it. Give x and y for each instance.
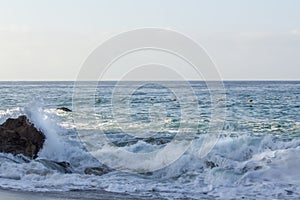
(256, 154)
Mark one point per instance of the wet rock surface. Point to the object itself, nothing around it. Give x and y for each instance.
(19, 136)
(64, 109)
(62, 167)
(98, 171)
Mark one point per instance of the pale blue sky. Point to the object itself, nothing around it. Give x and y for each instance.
(49, 40)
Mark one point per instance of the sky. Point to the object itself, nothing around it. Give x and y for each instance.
(246, 39)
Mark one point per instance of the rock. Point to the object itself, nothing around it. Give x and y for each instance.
(64, 109)
(156, 141)
(257, 168)
(289, 192)
(19, 136)
(251, 167)
(63, 167)
(98, 171)
(210, 164)
(20, 158)
(98, 100)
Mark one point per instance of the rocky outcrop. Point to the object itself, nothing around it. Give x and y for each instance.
(98, 171)
(210, 164)
(62, 167)
(64, 109)
(19, 136)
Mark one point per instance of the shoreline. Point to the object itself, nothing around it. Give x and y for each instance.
(68, 195)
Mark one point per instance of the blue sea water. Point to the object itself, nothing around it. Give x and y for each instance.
(256, 156)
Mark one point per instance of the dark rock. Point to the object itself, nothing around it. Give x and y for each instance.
(98, 100)
(19, 136)
(210, 164)
(64, 109)
(250, 168)
(157, 141)
(289, 192)
(257, 168)
(63, 167)
(98, 171)
(147, 173)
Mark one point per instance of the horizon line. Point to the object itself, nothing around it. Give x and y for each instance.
(112, 80)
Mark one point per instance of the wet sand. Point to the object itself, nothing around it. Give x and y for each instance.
(88, 195)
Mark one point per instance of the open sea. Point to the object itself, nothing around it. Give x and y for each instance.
(257, 154)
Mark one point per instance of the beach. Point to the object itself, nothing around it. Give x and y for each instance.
(88, 195)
